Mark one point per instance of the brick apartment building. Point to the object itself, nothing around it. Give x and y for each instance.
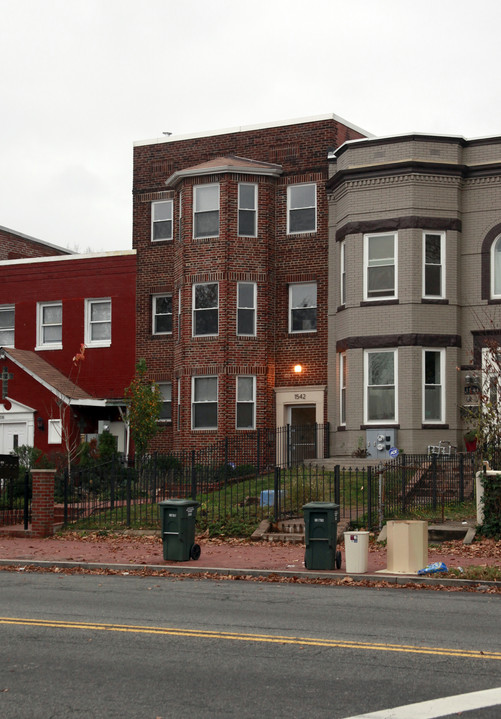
(49, 306)
(414, 290)
(231, 234)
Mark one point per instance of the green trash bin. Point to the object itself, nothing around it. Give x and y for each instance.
(320, 535)
(178, 518)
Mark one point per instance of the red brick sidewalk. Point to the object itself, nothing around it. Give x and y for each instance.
(217, 554)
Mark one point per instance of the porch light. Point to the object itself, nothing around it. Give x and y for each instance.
(40, 424)
(298, 368)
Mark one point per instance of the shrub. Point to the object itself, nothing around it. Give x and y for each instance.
(492, 506)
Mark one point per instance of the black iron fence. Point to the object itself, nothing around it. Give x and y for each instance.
(115, 495)
(15, 492)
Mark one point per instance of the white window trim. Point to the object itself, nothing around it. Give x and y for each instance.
(248, 209)
(165, 420)
(179, 314)
(441, 351)
(196, 188)
(41, 345)
(162, 202)
(154, 313)
(194, 309)
(494, 296)
(380, 422)
(254, 308)
(54, 432)
(9, 308)
(342, 272)
(301, 332)
(442, 264)
(342, 389)
(252, 402)
(178, 419)
(89, 342)
(193, 403)
(315, 206)
(394, 296)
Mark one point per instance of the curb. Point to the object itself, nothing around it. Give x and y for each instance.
(175, 569)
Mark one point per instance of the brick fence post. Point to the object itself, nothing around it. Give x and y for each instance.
(42, 502)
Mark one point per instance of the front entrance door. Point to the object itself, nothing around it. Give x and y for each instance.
(303, 433)
(12, 435)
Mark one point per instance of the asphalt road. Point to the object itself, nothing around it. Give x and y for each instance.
(107, 646)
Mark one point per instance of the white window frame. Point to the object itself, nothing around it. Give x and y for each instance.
(491, 378)
(394, 264)
(89, 342)
(441, 264)
(166, 394)
(203, 309)
(180, 217)
(178, 418)
(41, 343)
(179, 314)
(248, 209)
(342, 272)
(251, 401)
(155, 314)
(195, 402)
(441, 353)
(495, 295)
(156, 206)
(198, 190)
(291, 208)
(343, 381)
(367, 354)
(248, 309)
(291, 308)
(54, 431)
(10, 329)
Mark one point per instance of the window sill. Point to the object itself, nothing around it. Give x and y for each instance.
(434, 301)
(434, 425)
(54, 346)
(341, 308)
(303, 332)
(90, 345)
(160, 335)
(375, 303)
(381, 425)
(341, 428)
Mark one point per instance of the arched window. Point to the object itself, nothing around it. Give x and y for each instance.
(496, 268)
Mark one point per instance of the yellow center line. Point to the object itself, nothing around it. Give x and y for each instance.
(267, 638)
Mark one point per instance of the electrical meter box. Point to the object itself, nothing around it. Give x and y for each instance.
(379, 442)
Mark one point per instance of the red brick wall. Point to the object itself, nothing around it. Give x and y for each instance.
(14, 246)
(42, 503)
(272, 260)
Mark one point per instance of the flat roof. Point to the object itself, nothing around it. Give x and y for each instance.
(66, 258)
(251, 128)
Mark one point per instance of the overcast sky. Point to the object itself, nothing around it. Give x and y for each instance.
(81, 80)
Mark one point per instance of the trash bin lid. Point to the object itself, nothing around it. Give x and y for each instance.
(320, 505)
(178, 503)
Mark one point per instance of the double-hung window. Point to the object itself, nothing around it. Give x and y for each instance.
(342, 272)
(7, 316)
(380, 271)
(166, 395)
(246, 403)
(380, 386)
(496, 269)
(433, 264)
(162, 220)
(205, 309)
(301, 208)
(98, 322)
(162, 314)
(204, 403)
(303, 307)
(433, 385)
(50, 325)
(247, 210)
(343, 377)
(206, 211)
(246, 309)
